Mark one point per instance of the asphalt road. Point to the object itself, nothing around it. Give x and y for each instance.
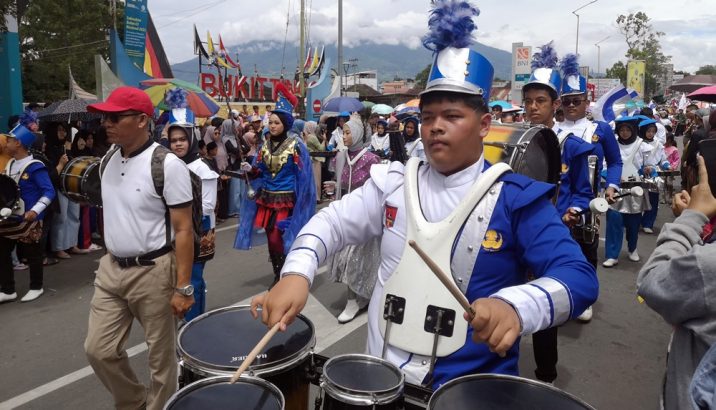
(614, 362)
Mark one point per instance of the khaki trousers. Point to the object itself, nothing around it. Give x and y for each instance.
(121, 295)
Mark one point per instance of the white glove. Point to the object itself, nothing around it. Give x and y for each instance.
(245, 166)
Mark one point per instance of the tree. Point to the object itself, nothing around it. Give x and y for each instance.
(643, 44)
(57, 35)
(7, 8)
(618, 70)
(707, 69)
(421, 78)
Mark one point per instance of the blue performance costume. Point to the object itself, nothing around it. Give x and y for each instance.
(513, 234)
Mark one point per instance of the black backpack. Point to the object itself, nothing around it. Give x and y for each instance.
(157, 167)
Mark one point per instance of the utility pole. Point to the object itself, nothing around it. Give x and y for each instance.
(301, 62)
(340, 41)
(576, 48)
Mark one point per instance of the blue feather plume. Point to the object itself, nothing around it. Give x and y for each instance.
(176, 98)
(450, 25)
(546, 58)
(28, 117)
(569, 65)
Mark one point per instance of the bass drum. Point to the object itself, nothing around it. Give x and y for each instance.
(80, 181)
(217, 342)
(533, 152)
(9, 199)
(502, 392)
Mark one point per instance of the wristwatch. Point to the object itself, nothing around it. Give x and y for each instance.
(187, 290)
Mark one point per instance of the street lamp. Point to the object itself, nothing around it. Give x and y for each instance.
(576, 49)
(345, 70)
(599, 52)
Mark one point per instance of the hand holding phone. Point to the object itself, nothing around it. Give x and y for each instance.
(707, 149)
(702, 198)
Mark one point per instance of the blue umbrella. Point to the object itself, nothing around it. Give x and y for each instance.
(338, 104)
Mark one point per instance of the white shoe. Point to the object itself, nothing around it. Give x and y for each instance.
(7, 297)
(634, 257)
(32, 294)
(648, 230)
(610, 262)
(586, 316)
(349, 312)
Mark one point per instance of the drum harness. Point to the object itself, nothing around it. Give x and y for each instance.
(414, 299)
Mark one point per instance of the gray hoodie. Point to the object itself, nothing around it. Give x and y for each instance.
(679, 283)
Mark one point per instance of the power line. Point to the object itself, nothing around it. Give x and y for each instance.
(206, 8)
(72, 46)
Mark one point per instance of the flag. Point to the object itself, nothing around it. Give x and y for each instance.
(683, 102)
(198, 47)
(156, 63)
(604, 107)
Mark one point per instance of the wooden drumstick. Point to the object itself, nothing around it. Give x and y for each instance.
(444, 278)
(254, 352)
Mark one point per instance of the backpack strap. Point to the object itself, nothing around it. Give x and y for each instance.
(157, 169)
(105, 159)
(12, 161)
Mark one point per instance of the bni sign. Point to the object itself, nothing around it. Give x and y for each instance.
(521, 70)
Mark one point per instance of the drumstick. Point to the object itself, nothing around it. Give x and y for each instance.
(256, 350)
(445, 279)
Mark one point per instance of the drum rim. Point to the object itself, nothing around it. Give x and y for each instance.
(263, 370)
(181, 393)
(520, 145)
(16, 188)
(440, 390)
(361, 397)
(93, 162)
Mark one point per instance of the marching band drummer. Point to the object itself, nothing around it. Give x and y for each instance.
(651, 162)
(523, 234)
(541, 100)
(37, 193)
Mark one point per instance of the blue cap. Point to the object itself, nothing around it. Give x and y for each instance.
(544, 70)
(456, 67)
(344, 114)
(22, 134)
(646, 122)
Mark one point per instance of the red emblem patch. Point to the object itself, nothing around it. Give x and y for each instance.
(390, 213)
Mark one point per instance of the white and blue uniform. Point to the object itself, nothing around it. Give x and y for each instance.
(519, 235)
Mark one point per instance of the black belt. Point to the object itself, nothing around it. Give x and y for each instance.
(141, 260)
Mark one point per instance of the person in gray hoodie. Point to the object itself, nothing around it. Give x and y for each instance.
(679, 283)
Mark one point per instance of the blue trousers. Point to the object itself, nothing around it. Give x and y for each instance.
(197, 280)
(647, 221)
(237, 192)
(616, 223)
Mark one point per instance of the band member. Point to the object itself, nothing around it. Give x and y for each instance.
(380, 141)
(652, 161)
(411, 134)
(598, 133)
(146, 273)
(183, 141)
(516, 231)
(283, 182)
(36, 193)
(541, 100)
(625, 214)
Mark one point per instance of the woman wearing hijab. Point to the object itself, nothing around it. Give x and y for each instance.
(184, 142)
(237, 186)
(411, 135)
(356, 265)
(652, 161)
(285, 196)
(380, 141)
(314, 145)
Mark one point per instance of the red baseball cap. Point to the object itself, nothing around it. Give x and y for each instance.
(125, 99)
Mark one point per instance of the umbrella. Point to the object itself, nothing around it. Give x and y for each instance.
(199, 102)
(67, 110)
(502, 103)
(707, 94)
(339, 104)
(367, 104)
(404, 109)
(692, 83)
(382, 109)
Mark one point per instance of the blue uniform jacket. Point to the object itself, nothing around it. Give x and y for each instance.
(606, 146)
(34, 184)
(575, 191)
(532, 241)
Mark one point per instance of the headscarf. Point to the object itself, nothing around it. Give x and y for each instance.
(416, 134)
(384, 123)
(310, 128)
(644, 128)
(634, 132)
(192, 136)
(298, 126)
(209, 134)
(356, 128)
(286, 120)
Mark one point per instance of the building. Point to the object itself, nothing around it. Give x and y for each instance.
(665, 79)
(369, 78)
(397, 86)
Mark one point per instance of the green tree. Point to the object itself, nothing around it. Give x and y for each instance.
(618, 70)
(421, 78)
(643, 44)
(6, 8)
(707, 69)
(55, 35)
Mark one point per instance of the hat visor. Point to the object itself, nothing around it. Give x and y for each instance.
(450, 87)
(568, 93)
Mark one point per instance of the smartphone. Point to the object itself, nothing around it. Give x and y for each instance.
(707, 149)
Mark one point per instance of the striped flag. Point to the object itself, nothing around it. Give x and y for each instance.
(604, 107)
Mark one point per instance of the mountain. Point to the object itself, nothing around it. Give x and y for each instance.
(389, 60)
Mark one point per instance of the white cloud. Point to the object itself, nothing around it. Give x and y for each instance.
(689, 34)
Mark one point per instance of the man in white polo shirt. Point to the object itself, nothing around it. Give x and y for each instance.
(147, 272)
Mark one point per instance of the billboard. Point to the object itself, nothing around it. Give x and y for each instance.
(135, 30)
(521, 70)
(602, 85)
(635, 76)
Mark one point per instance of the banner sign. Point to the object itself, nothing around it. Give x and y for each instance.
(135, 30)
(521, 69)
(635, 76)
(248, 88)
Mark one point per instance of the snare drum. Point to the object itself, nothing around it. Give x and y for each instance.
(80, 181)
(533, 152)
(359, 381)
(9, 198)
(502, 392)
(217, 393)
(217, 342)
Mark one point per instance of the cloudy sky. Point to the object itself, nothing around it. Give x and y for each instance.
(690, 35)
